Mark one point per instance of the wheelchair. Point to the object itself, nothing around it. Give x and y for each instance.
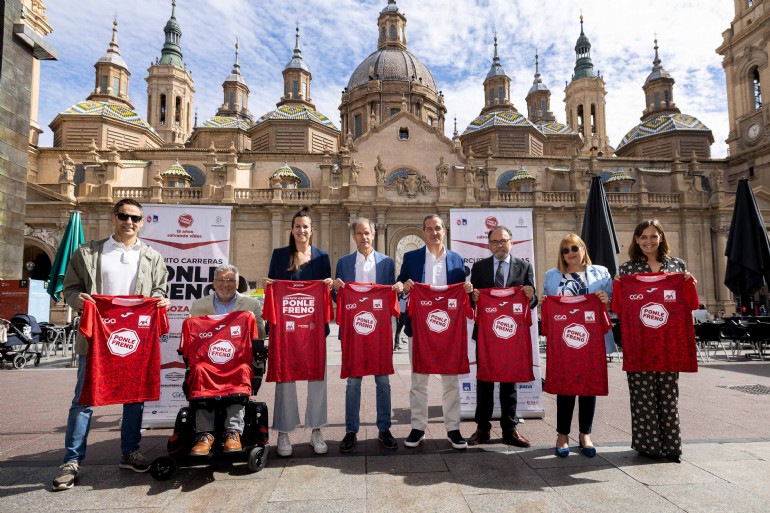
(255, 437)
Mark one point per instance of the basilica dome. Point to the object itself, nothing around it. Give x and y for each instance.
(392, 64)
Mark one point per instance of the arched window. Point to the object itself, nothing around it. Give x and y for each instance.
(666, 97)
(178, 111)
(657, 100)
(357, 127)
(757, 89)
(542, 108)
(500, 96)
(593, 119)
(383, 33)
(392, 32)
(162, 109)
(295, 89)
(580, 119)
(231, 101)
(491, 95)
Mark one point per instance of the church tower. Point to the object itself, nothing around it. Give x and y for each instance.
(539, 99)
(112, 75)
(585, 99)
(497, 87)
(170, 89)
(745, 61)
(236, 94)
(296, 79)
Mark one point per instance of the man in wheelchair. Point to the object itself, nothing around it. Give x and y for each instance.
(216, 373)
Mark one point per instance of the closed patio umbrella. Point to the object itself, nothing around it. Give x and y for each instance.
(73, 237)
(599, 229)
(748, 248)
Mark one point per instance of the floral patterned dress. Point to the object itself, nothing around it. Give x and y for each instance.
(655, 395)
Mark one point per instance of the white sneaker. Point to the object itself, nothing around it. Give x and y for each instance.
(317, 441)
(284, 445)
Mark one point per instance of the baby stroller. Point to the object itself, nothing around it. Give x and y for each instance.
(255, 432)
(16, 338)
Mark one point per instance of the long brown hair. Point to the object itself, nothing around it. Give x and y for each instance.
(635, 252)
(293, 260)
(573, 239)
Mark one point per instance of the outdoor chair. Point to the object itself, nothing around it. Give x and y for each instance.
(758, 336)
(736, 332)
(709, 334)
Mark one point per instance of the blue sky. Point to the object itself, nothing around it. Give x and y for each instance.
(453, 38)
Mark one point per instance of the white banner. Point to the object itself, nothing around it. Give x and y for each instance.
(194, 241)
(469, 228)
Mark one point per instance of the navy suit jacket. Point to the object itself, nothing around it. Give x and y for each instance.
(413, 268)
(385, 268)
(319, 267)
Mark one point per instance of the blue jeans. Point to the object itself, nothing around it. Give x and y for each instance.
(79, 423)
(353, 403)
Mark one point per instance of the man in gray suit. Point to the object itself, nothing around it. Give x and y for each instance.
(365, 265)
(224, 300)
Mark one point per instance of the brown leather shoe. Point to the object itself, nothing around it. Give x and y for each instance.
(232, 441)
(514, 438)
(203, 446)
(478, 437)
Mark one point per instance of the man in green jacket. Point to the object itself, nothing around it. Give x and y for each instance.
(120, 265)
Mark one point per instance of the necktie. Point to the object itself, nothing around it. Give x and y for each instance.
(499, 278)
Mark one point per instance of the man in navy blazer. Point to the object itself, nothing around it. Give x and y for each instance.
(365, 265)
(434, 265)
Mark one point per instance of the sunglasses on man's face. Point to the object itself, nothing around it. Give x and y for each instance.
(126, 217)
(574, 249)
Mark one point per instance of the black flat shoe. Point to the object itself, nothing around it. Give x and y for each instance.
(673, 457)
(648, 455)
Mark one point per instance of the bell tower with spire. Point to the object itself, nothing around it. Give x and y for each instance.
(539, 98)
(296, 79)
(585, 101)
(497, 87)
(112, 75)
(236, 93)
(170, 90)
(658, 90)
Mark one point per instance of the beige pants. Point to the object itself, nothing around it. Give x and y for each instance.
(418, 399)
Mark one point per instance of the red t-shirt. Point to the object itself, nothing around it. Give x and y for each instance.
(364, 314)
(218, 351)
(123, 364)
(576, 363)
(439, 330)
(298, 312)
(504, 345)
(656, 327)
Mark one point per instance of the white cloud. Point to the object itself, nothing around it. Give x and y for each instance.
(454, 39)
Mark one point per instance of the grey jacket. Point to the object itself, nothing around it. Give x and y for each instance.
(205, 306)
(84, 274)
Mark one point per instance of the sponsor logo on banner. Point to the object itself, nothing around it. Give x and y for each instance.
(221, 351)
(491, 222)
(298, 305)
(174, 376)
(438, 321)
(504, 326)
(377, 304)
(669, 295)
(186, 220)
(653, 315)
(590, 316)
(575, 336)
(235, 331)
(364, 323)
(123, 342)
(144, 321)
(466, 386)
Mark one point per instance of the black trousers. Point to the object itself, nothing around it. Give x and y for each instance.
(485, 403)
(399, 326)
(565, 405)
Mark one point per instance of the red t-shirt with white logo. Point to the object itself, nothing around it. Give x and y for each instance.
(218, 351)
(504, 344)
(298, 312)
(439, 329)
(123, 364)
(576, 363)
(364, 313)
(656, 327)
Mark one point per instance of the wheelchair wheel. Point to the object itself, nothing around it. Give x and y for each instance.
(258, 458)
(163, 468)
(19, 361)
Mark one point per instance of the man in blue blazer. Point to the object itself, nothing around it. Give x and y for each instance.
(434, 265)
(365, 265)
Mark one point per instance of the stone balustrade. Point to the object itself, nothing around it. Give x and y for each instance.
(137, 193)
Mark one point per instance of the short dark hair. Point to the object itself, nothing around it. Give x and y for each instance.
(126, 201)
(432, 216)
(499, 227)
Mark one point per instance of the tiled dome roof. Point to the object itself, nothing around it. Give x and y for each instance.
(108, 110)
(506, 118)
(662, 124)
(227, 122)
(296, 112)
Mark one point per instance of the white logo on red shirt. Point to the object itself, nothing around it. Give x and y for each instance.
(123, 342)
(504, 326)
(235, 331)
(653, 315)
(298, 305)
(221, 351)
(377, 304)
(364, 323)
(669, 295)
(144, 321)
(452, 303)
(518, 308)
(289, 325)
(438, 321)
(575, 336)
(590, 316)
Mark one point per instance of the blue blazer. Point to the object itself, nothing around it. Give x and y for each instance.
(319, 267)
(385, 268)
(413, 268)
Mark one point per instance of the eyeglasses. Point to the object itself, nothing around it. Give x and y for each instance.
(500, 242)
(575, 249)
(126, 217)
(229, 281)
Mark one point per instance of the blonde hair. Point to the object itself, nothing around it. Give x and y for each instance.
(572, 239)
